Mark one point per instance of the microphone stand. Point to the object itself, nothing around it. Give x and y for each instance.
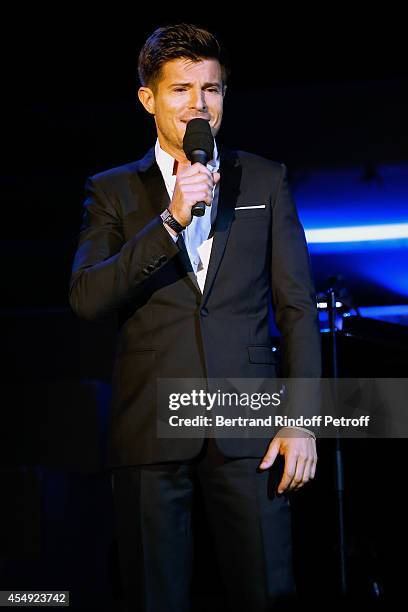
(339, 475)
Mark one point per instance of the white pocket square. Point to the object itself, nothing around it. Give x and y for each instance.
(250, 207)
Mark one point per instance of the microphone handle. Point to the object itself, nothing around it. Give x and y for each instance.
(198, 209)
(199, 156)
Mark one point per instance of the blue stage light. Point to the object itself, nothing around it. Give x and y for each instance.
(359, 233)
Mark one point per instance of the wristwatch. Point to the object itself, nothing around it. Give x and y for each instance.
(169, 220)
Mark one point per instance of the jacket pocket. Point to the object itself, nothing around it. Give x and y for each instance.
(243, 211)
(261, 354)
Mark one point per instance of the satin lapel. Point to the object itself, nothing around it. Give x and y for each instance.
(155, 197)
(187, 264)
(154, 193)
(231, 171)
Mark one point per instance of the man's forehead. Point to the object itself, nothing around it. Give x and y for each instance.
(184, 69)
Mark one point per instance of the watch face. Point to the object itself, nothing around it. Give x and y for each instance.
(169, 220)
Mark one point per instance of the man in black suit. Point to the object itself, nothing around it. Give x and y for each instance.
(193, 297)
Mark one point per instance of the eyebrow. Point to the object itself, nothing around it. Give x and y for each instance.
(215, 84)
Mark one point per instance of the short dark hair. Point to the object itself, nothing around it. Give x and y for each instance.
(176, 41)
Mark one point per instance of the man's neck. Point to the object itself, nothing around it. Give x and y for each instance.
(177, 154)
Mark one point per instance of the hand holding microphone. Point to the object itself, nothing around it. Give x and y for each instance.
(195, 183)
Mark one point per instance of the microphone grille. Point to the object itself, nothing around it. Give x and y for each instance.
(198, 136)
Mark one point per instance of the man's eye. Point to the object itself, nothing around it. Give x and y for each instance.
(180, 89)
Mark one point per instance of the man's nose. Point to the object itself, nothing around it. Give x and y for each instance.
(197, 100)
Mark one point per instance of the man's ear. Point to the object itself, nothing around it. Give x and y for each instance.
(146, 97)
(224, 90)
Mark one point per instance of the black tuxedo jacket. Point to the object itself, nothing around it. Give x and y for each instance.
(127, 263)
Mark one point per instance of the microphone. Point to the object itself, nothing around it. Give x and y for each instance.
(198, 145)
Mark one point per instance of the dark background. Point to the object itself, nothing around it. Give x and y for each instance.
(314, 91)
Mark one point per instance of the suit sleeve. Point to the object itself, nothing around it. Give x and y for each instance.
(108, 271)
(293, 291)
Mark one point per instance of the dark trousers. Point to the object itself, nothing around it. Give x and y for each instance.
(250, 526)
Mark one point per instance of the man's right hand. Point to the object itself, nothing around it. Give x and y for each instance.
(194, 183)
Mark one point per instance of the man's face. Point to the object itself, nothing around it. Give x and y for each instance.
(186, 90)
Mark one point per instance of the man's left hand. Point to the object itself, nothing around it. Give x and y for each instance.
(299, 450)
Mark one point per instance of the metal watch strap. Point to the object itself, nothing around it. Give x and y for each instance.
(169, 220)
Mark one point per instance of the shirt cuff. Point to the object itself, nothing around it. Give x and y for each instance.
(175, 238)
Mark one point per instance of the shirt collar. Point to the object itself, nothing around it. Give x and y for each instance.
(166, 162)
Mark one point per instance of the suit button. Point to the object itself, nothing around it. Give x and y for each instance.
(204, 312)
(162, 259)
(151, 267)
(146, 271)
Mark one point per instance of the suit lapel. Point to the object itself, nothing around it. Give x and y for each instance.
(231, 171)
(155, 198)
(154, 195)
(187, 264)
